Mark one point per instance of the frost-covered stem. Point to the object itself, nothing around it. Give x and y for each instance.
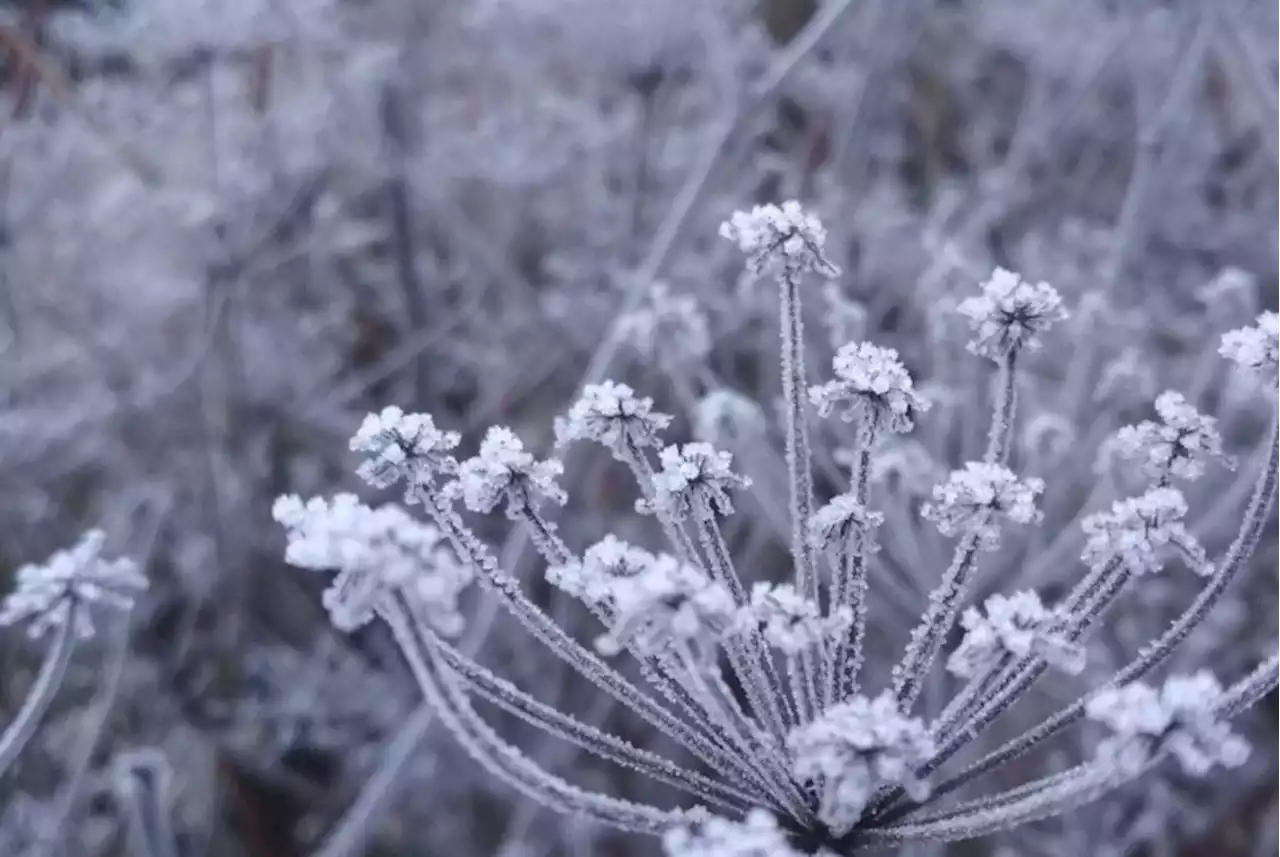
(500, 759)
(800, 478)
(845, 656)
(1249, 690)
(1053, 795)
(47, 683)
(928, 636)
(471, 550)
(970, 697)
(1242, 546)
(747, 653)
(548, 544)
(504, 694)
(1006, 396)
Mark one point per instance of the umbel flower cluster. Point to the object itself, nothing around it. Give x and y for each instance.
(761, 684)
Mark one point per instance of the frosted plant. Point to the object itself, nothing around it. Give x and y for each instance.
(1010, 314)
(1255, 349)
(1175, 447)
(1182, 718)
(762, 685)
(61, 590)
(1017, 625)
(729, 419)
(856, 747)
(667, 327)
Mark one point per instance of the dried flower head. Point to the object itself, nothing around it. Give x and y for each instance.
(669, 602)
(757, 835)
(876, 387)
(695, 480)
(1255, 349)
(789, 621)
(971, 499)
(1016, 625)
(728, 418)
(854, 748)
(1138, 531)
(1010, 314)
(783, 237)
(1181, 718)
(374, 552)
(605, 563)
(666, 328)
(611, 414)
(1176, 447)
(503, 472)
(844, 524)
(47, 592)
(403, 446)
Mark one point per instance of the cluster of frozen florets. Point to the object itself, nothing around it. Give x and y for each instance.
(788, 621)
(757, 835)
(502, 471)
(1016, 625)
(875, 386)
(853, 749)
(784, 237)
(614, 416)
(1010, 313)
(843, 524)
(1182, 718)
(970, 500)
(60, 589)
(1175, 447)
(375, 552)
(667, 602)
(592, 579)
(399, 446)
(1255, 349)
(1138, 531)
(695, 481)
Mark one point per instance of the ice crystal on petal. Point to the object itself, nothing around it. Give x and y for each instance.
(780, 236)
(667, 602)
(402, 446)
(502, 471)
(1180, 718)
(611, 414)
(45, 592)
(789, 621)
(876, 387)
(1010, 313)
(970, 500)
(844, 523)
(1257, 348)
(1138, 531)
(1175, 447)
(374, 551)
(1018, 625)
(854, 748)
(695, 480)
(758, 835)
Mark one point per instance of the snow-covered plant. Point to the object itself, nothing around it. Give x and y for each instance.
(1176, 447)
(762, 685)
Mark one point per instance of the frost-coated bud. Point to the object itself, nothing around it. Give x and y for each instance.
(695, 480)
(844, 524)
(1138, 532)
(602, 566)
(1017, 625)
(403, 446)
(789, 621)
(853, 749)
(875, 386)
(666, 328)
(47, 592)
(503, 472)
(669, 602)
(374, 552)
(1255, 349)
(1175, 447)
(1010, 313)
(782, 237)
(971, 499)
(611, 414)
(1181, 718)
